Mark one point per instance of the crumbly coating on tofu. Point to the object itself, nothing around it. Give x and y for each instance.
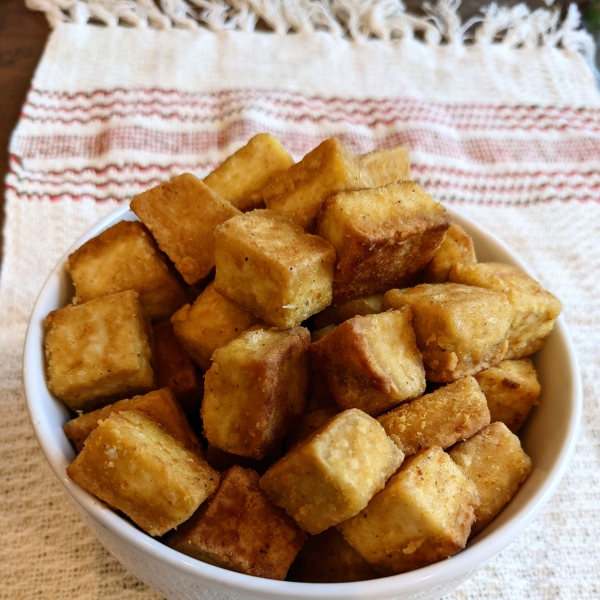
(371, 362)
(338, 313)
(511, 389)
(535, 308)
(240, 529)
(99, 351)
(387, 165)
(382, 237)
(255, 390)
(241, 178)
(299, 192)
(329, 558)
(460, 329)
(457, 248)
(131, 463)
(125, 257)
(182, 214)
(211, 322)
(423, 514)
(451, 414)
(332, 475)
(273, 268)
(497, 465)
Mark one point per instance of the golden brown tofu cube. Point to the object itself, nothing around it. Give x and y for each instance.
(182, 215)
(382, 237)
(255, 390)
(495, 462)
(460, 329)
(387, 165)
(511, 389)
(240, 529)
(131, 463)
(329, 558)
(332, 475)
(371, 362)
(242, 177)
(457, 248)
(338, 313)
(451, 414)
(125, 257)
(273, 268)
(211, 322)
(535, 309)
(307, 424)
(99, 351)
(423, 514)
(299, 192)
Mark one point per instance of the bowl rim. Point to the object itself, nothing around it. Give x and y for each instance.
(465, 562)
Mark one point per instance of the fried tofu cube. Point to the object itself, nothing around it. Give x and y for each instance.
(211, 322)
(160, 406)
(240, 529)
(535, 309)
(329, 558)
(273, 268)
(457, 248)
(387, 165)
(332, 475)
(423, 514)
(371, 362)
(131, 463)
(382, 237)
(338, 313)
(255, 390)
(460, 329)
(495, 462)
(451, 414)
(99, 351)
(182, 215)
(125, 257)
(242, 177)
(307, 424)
(299, 192)
(511, 389)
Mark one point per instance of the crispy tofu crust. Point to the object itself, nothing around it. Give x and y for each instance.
(131, 463)
(387, 165)
(382, 237)
(338, 313)
(182, 214)
(99, 351)
(240, 529)
(242, 177)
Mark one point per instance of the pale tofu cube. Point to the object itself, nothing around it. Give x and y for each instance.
(535, 309)
(299, 192)
(338, 313)
(211, 322)
(457, 248)
(511, 389)
(387, 165)
(99, 351)
(495, 462)
(125, 257)
(460, 329)
(371, 362)
(182, 215)
(131, 463)
(329, 558)
(240, 529)
(273, 268)
(382, 237)
(424, 514)
(332, 475)
(255, 390)
(451, 414)
(241, 178)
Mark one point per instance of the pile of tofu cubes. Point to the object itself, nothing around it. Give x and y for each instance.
(298, 369)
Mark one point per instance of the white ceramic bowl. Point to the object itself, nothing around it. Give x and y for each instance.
(549, 437)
